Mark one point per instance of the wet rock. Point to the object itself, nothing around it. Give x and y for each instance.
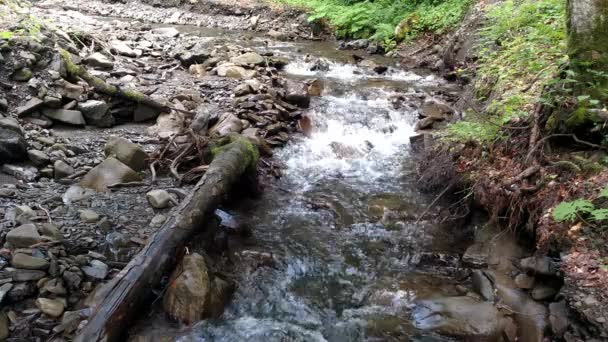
(28, 262)
(539, 265)
(121, 48)
(22, 75)
(249, 58)
(358, 44)
(524, 281)
(232, 70)
(24, 173)
(426, 123)
(30, 106)
(315, 87)
(206, 114)
(96, 113)
(296, 93)
(543, 292)
(21, 291)
(96, 270)
(276, 35)
(169, 32)
(3, 104)
(531, 316)
(127, 152)
(39, 158)
(4, 290)
(111, 171)
(433, 108)
(4, 326)
(13, 146)
(70, 117)
(462, 317)
(144, 113)
(558, 317)
(99, 60)
(343, 151)
(228, 123)
(476, 255)
(187, 300)
(89, 216)
(160, 199)
(62, 169)
(23, 236)
(51, 307)
(482, 285)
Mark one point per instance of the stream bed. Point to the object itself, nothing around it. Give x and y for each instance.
(347, 258)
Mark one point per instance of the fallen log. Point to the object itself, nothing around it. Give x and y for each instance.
(77, 71)
(116, 305)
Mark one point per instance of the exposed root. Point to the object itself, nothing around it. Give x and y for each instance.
(184, 161)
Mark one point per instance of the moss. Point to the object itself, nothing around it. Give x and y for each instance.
(134, 95)
(226, 143)
(70, 67)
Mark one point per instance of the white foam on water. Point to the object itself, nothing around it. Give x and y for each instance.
(349, 72)
(353, 137)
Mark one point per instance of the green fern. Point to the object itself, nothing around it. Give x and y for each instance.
(568, 211)
(603, 193)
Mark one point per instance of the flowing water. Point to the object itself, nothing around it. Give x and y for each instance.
(349, 259)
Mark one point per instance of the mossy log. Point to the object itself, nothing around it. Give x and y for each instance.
(77, 71)
(119, 301)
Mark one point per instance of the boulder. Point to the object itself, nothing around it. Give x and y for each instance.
(315, 87)
(461, 317)
(249, 58)
(28, 262)
(539, 265)
(30, 106)
(127, 152)
(23, 236)
(433, 108)
(144, 113)
(71, 117)
(232, 70)
(51, 307)
(99, 60)
(122, 48)
(296, 93)
(96, 270)
(109, 172)
(62, 169)
(228, 123)
(187, 299)
(13, 146)
(96, 113)
(39, 158)
(160, 199)
(22, 75)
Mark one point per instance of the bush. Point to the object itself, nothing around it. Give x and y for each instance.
(378, 19)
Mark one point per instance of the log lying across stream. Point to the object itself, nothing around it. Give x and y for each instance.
(120, 300)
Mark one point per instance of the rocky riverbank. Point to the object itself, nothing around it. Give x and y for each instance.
(78, 199)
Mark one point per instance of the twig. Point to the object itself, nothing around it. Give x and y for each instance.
(428, 208)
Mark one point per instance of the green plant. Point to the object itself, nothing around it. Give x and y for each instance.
(579, 208)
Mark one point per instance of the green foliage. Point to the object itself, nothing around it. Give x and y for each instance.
(522, 44)
(568, 211)
(577, 209)
(378, 19)
(6, 35)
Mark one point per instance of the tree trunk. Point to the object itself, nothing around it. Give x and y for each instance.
(587, 25)
(118, 302)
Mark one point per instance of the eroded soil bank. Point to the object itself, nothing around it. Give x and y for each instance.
(339, 245)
